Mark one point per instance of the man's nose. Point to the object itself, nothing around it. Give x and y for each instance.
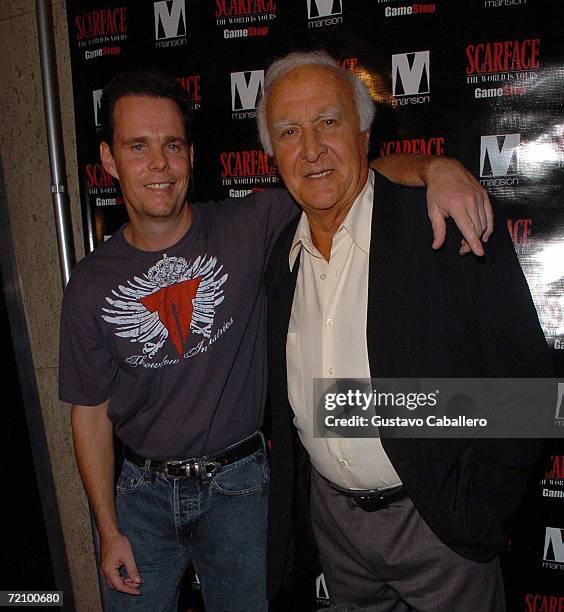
(158, 160)
(312, 144)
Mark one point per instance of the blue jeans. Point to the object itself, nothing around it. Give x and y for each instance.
(219, 524)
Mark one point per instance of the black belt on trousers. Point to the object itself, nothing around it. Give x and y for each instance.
(370, 501)
(197, 467)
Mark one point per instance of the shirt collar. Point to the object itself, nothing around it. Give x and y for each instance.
(357, 223)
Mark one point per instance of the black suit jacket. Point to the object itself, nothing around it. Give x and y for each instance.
(430, 314)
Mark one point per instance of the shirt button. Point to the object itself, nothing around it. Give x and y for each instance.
(343, 463)
(323, 276)
(329, 322)
(331, 371)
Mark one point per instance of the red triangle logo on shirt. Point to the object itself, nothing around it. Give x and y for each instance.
(174, 306)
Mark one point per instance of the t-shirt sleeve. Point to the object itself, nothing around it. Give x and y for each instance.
(87, 371)
(275, 209)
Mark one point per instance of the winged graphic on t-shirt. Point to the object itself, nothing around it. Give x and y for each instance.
(172, 299)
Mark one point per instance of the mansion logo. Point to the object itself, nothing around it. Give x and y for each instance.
(248, 169)
(101, 27)
(321, 590)
(170, 23)
(191, 85)
(322, 13)
(502, 68)
(246, 18)
(560, 405)
(422, 146)
(411, 78)
(97, 102)
(499, 160)
(246, 87)
(503, 3)
(553, 555)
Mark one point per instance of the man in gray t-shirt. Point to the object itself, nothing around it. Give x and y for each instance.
(162, 343)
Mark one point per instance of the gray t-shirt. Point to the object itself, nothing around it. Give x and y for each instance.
(176, 338)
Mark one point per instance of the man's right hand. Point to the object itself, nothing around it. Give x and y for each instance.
(116, 552)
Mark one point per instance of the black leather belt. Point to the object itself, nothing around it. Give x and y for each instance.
(370, 501)
(197, 467)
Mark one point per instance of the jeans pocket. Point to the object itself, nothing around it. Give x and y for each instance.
(130, 478)
(248, 475)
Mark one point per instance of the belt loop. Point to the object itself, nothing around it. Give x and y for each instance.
(204, 478)
(147, 475)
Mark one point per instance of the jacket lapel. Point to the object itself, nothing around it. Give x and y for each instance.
(388, 282)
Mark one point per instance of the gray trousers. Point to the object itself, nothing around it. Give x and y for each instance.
(390, 561)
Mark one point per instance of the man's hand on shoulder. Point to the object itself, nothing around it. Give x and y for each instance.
(116, 552)
(452, 192)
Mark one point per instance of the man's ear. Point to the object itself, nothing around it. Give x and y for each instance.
(108, 159)
(191, 156)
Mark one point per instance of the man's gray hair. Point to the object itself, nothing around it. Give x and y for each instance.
(280, 67)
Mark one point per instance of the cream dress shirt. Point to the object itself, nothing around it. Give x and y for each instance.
(327, 339)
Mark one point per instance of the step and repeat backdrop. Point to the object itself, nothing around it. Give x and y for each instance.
(480, 80)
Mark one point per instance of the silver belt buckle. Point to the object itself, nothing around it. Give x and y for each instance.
(191, 468)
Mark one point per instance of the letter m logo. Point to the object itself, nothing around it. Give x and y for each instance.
(170, 19)
(499, 155)
(323, 8)
(553, 545)
(411, 73)
(560, 403)
(97, 100)
(245, 89)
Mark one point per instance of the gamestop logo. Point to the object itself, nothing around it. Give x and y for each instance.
(322, 13)
(246, 87)
(411, 78)
(248, 168)
(499, 160)
(97, 102)
(413, 9)
(170, 23)
(553, 556)
(246, 19)
(502, 68)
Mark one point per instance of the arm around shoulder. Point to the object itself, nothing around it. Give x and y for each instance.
(452, 191)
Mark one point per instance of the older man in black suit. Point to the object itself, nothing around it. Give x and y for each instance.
(356, 293)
